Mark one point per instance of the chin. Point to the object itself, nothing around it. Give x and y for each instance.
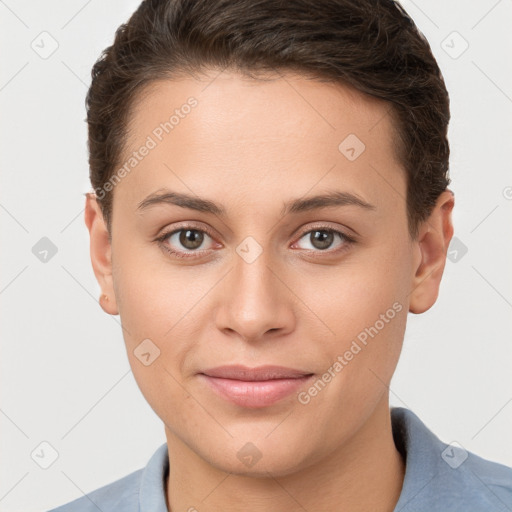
(259, 459)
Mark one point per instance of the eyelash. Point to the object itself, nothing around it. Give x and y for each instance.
(347, 240)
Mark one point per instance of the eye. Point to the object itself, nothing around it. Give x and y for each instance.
(189, 241)
(184, 242)
(322, 238)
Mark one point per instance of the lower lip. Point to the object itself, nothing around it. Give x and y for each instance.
(255, 394)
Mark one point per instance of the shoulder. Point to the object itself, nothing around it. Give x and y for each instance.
(488, 476)
(442, 476)
(143, 489)
(123, 494)
(477, 483)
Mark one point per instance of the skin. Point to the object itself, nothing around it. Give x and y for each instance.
(251, 146)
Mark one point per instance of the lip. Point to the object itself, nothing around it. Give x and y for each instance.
(254, 387)
(260, 373)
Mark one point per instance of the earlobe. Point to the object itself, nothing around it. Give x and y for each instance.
(432, 243)
(101, 253)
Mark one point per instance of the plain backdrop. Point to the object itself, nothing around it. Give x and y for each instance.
(65, 374)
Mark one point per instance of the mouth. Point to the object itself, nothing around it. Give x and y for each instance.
(254, 387)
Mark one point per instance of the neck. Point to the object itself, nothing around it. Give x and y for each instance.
(366, 473)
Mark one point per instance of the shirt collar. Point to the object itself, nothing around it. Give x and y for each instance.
(415, 442)
(152, 486)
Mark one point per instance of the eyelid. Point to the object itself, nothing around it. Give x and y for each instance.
(324, 226)
(186, 225)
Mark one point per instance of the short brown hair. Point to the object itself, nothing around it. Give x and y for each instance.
(372, 45)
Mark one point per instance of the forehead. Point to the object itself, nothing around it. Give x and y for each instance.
(225, 132)
(276, 104)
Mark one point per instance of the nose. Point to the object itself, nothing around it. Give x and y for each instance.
(254, 301)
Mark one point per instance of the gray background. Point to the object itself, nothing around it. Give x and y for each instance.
(65, 375)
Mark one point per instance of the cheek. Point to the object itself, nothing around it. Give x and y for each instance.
(364, 304)
(163, 303)
(148, 298)
(354, 295)
(156, 329)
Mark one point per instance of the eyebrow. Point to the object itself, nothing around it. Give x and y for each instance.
(330, 199)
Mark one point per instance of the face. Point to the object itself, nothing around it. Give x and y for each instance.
(249, 270)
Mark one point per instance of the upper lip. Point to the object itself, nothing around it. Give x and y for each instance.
(239, 372)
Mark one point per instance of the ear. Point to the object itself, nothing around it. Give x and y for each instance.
(101, 253)
(432, 244)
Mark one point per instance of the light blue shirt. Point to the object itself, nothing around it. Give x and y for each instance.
(438, 477)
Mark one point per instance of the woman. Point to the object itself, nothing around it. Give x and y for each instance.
(270, 201)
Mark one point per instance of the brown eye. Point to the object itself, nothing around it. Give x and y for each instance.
(191, 238)
(185, 242)
(323, 239)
